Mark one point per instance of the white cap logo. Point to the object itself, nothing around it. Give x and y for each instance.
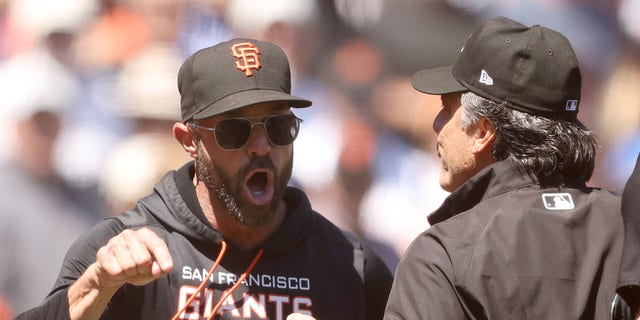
(485, 78)
(572, 105)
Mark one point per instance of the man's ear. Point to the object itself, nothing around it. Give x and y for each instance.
(185, 137)
(484, 136)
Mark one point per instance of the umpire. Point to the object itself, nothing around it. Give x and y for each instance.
(521, 235)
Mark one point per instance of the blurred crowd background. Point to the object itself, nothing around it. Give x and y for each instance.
(89, 95)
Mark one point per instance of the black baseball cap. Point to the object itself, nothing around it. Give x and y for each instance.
(234, 74)
(530, 69)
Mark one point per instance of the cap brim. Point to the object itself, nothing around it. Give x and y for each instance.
(248, 98)
(436, 81)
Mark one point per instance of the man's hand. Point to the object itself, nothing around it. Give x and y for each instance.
(134, 256)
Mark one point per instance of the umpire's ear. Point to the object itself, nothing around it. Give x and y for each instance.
(186, 138)
(484, 134)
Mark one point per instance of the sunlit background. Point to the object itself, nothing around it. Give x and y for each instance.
(88, 97)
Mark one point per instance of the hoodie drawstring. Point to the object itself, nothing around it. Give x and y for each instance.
(226, 293)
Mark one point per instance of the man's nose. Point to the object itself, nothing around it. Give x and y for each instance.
(438, 122)
(258, 143)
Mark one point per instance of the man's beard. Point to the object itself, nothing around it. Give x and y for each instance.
(230, 191)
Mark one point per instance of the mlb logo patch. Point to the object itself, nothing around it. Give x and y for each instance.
(557, 201)
(572, 105)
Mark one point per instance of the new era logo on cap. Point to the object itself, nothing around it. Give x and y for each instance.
(485, 78)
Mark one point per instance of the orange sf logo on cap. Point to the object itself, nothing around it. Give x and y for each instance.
(249, 55)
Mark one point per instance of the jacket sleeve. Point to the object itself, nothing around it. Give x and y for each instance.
(424, 286)
(55, 306)
(81, 254)
(629, 278)
(377, 283)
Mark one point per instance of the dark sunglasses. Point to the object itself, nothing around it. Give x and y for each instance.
(233, 133)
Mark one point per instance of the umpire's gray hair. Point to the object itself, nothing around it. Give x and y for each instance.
(540, 146)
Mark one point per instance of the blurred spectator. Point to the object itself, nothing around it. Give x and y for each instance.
(92, 127)
(202, 24)
(121, 32)
(146, 87)
(39, 219)
(619, 120)
(116, 34)
(161, 17)
(40, 212)
(41, 76)
(405, 188)
(248, 17)
(24, 23)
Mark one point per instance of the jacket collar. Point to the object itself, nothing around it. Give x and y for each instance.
(498, 178)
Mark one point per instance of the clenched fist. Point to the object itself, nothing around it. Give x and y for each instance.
(134, 256)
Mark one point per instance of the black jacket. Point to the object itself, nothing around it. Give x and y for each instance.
(308, 264)
(629, 280)
(503, 247)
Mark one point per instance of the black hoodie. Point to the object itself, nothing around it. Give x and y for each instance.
(308, 265)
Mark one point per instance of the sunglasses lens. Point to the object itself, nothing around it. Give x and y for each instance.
(282, 129)
(233, 133)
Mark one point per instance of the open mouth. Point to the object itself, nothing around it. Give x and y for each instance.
(257, 183)
(259, 187)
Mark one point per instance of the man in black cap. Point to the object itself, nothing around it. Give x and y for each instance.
(520, 236)
(223, 237)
